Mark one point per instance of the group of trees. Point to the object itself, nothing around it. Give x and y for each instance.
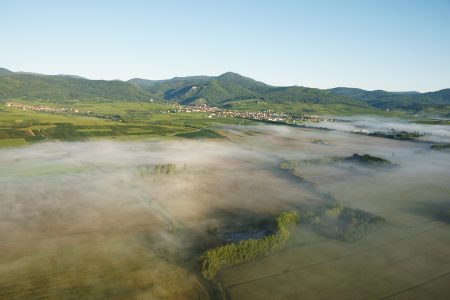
(397, 135)
(215, 259)
(367, 159)
(158, 169)
(342, 223)
(334, 220)
(441, 146)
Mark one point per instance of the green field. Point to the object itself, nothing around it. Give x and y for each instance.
(318, 268)
(123, 120)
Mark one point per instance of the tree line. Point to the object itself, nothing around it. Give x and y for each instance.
(158, 169)
(215, 259)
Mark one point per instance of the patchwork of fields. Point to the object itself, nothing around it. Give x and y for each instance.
(391, 263)
(103, 120)
(409, 256)
(126, 209)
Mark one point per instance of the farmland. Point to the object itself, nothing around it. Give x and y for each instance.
(103, 208)
(102, 120)
(225, 150)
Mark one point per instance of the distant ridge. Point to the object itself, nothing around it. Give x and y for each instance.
(227, 90)
(4, 71)
(396, 100)
(25, 85)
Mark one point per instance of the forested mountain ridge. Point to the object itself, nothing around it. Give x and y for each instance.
(232, 86)
(413, 101)
(66, 87)
(223, 90)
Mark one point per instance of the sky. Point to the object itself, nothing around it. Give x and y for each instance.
(381, 44)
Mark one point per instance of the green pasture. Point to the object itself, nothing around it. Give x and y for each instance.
(122, 120)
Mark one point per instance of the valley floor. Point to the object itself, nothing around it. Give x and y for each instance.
(98, 218)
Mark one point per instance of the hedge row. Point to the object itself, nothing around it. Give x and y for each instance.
(215, 259)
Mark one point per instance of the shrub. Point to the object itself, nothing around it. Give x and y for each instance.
(159, 169)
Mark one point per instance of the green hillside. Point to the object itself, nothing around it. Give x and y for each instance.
(229, 90)
(412, 101)
(213, 90)
(175, 89)
(4, 71)
(232, 87)
(62, 88)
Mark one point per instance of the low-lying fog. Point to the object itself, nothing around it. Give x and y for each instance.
(113, 220)
(435, 133)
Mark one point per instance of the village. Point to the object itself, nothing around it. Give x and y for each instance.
(41, 108)
(264, 116)
(212, 111)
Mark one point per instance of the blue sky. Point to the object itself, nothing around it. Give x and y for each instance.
(391, 45)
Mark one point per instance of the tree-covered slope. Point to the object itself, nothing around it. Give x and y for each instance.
(413, 101)
(170, 89)
(231, 87)
(60, 88)
(308, 95)
(213, 90)
(4, 71)
(228, 90)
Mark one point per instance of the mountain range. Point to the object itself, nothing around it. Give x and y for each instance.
(227, 90)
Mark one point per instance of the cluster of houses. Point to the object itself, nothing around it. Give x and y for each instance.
(41, 108)
(212, 111)
(266, 116)
(202, 108)
(259, 116)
